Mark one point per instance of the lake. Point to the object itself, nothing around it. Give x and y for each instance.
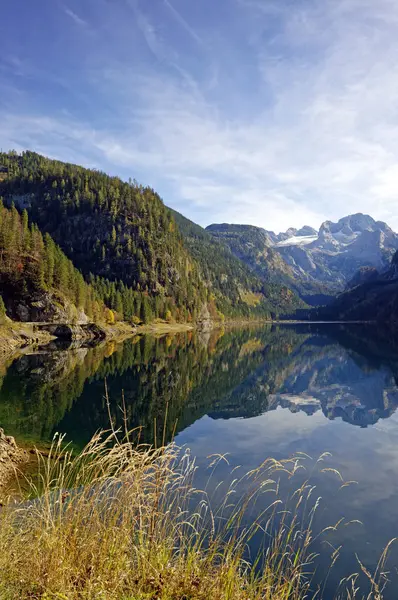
(247, 394)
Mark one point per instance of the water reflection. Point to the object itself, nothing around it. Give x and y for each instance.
(181, 378)
(251, 393)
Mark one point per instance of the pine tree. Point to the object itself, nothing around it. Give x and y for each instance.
(2, 310)
(119, 305)
(25, 224)
(50, 260)
(146, 313)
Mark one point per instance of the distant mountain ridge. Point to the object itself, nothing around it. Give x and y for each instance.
(335, 254)
(314, 261)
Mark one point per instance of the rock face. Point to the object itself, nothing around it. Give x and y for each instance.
(259, 250)
(363, 275)
(88, 331)
(335, 254)
(10, 457)
(375, 299)
(44, 307)
(205, 320)
(252, 244)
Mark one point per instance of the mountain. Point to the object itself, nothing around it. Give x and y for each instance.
(317, 265)
(257, 248)
(129, 247)
(335, 254)
(223, 266)
(374, 300)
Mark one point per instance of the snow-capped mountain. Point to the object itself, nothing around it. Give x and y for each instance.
(335, 253)
(315, 264)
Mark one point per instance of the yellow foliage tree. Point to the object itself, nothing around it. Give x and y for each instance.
(109, 316)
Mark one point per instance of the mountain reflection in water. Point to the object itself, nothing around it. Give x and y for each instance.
(224, 374)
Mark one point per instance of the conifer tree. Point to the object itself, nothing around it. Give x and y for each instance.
(2, 310)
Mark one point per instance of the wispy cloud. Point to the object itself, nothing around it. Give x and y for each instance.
(183, 22)
(75, 17)
(300, 123)
(149, 32)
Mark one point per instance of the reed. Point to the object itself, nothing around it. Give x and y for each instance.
(121, 521)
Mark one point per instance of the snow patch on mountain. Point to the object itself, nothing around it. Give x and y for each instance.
(298, 240)
(334, 254)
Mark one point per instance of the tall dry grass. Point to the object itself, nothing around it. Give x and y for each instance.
(125, 522)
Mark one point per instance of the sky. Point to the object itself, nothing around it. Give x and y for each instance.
(276, 113)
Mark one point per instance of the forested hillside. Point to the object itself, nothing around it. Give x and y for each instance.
(128, 246)
(111, 229)
(36, 276)
(251, 245)
(220, 265)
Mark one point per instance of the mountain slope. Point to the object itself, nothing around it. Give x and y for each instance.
(253, 245)
(225, 270)
(374, 300)
(122, 233)
(37, 281)
(112, 229)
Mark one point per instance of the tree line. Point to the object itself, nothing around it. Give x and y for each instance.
(142, 259)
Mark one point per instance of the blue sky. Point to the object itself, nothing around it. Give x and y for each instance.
(276, 113)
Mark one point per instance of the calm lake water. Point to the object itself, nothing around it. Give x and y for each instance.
(249, 394)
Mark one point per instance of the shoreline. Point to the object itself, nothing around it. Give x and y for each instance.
(14, 458)
(164, 328)
(18, 336)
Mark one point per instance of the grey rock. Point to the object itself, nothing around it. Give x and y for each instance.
(341, 250)
(307, 230)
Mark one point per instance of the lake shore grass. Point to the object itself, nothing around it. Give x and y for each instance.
(121, 521)
(162, 328)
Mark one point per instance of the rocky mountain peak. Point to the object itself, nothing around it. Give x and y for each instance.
(357, 223)
(339, 250)
(291, 231)
(393, 271)
(306, 230)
